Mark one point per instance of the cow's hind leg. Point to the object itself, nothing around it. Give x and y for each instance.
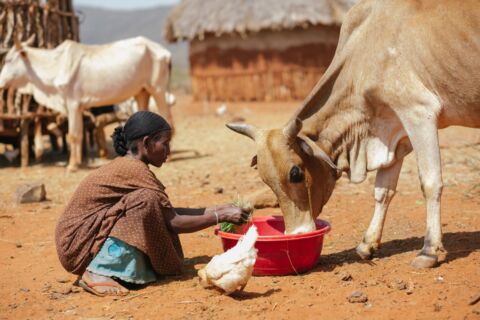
(385, 188)
(142, 100)
(164, 109)
(424, 138)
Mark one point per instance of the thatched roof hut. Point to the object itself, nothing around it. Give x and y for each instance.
(252, 32)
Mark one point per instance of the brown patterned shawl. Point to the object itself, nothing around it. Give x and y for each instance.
(123, 199)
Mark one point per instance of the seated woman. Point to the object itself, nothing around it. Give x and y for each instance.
(120, 223)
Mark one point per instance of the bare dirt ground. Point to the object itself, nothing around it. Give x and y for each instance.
(33, 284)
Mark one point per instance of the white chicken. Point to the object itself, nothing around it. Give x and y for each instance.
(233, 268)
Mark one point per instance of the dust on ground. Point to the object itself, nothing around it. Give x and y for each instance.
(208, 158)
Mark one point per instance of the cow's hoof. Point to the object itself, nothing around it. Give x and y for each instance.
(72, 168)
(365, 251)
(424, 261)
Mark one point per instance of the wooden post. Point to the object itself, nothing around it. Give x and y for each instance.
(10, 26)
(24, 126)
(10, 100)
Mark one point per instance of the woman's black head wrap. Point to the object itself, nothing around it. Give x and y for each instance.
(140, 124)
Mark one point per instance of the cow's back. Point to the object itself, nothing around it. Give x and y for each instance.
(407, 44)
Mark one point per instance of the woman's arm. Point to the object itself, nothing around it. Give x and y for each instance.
(191, 220)
(190, 211)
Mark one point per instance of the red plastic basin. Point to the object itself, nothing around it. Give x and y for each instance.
(280, 254)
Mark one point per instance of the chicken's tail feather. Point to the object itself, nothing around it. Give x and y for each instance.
(249, 239)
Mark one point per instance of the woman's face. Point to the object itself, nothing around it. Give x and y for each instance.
(158, 147)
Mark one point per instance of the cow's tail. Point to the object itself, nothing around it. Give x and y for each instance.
(169, 96)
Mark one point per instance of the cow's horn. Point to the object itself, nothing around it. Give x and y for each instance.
(292, 129)
(243, 128)
(18, 45)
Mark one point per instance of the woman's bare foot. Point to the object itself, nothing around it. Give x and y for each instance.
(101, 285)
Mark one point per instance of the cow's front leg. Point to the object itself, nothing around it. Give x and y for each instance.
(424, 139)
(75, 135)
(385, 188)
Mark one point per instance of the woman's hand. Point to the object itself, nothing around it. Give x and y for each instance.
(230, 213)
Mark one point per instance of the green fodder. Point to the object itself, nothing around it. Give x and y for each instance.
(240, 203)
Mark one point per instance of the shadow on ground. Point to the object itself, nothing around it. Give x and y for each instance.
(457, 244)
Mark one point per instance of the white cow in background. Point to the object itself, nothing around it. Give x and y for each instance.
(74, 76)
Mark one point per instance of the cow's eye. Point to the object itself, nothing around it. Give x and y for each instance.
(296, 175)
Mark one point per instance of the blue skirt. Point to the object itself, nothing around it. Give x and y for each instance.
(123, 261)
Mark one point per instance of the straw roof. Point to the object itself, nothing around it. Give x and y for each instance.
(192, 19)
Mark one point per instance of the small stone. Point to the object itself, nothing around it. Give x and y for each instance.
(65, 289)
(46, 287)
(63, 279)
(437, 307)
(439, 279)
(24, 289)
(29, 193)
(345, 276)
(398, 284)
(18, 244)
(55, 296)
(474, 300)
(218, 190)
(357, 297)
(410, 287)
(75, 289)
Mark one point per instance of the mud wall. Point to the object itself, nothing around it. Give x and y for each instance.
(267, 66)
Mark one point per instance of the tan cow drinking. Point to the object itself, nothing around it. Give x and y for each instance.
(402, 70)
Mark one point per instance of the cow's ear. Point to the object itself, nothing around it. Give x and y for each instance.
(311, 149)
(254, 161)
(305, 147)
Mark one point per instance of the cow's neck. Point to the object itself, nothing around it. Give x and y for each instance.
(43, 69)
(340, 129)
(43, 65)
